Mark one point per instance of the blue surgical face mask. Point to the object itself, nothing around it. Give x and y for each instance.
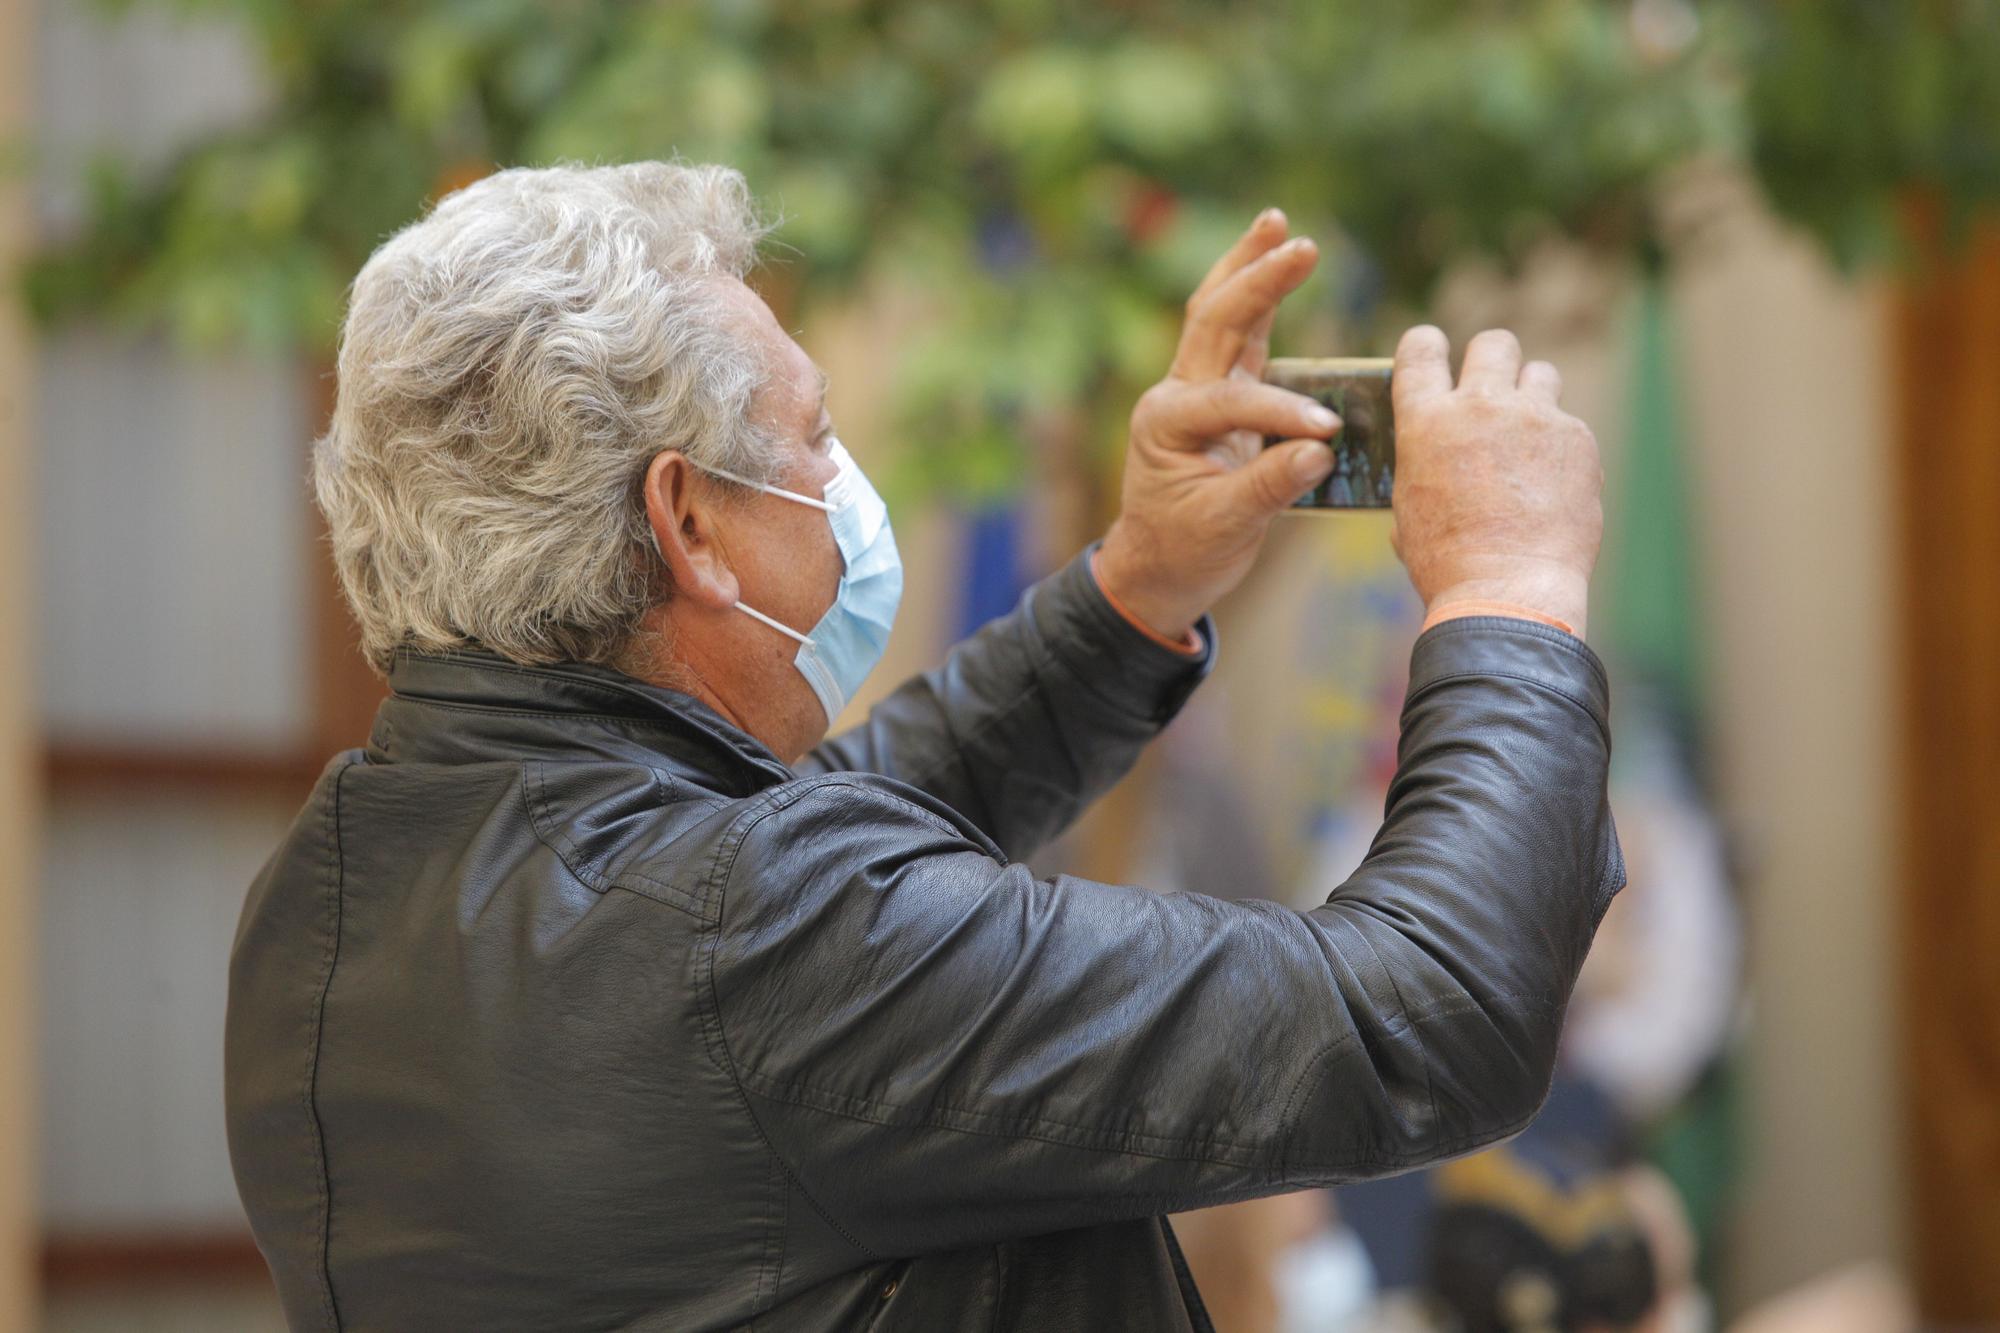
(849, 639)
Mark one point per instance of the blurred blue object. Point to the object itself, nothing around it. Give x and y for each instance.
(994, 572)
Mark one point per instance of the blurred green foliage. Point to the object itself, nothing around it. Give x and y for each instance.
(1058, 177)
(1854, 102)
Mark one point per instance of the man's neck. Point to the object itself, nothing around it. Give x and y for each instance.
(661, 658)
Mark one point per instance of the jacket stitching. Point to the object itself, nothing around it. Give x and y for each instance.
(322, 1184)
(941, 1115)
(551, 836)
(991, 1123)
(774, 1238)
(1199, 1150)
(784, 1228)
(533, 783)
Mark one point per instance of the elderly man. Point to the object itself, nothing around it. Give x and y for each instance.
(596, 991)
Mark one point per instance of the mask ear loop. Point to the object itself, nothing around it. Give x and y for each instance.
(774, 490)
(785, 630)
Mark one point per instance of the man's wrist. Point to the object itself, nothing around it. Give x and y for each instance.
(1152, 613)
(1562, 601)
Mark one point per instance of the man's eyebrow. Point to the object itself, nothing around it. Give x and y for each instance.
(823, 382)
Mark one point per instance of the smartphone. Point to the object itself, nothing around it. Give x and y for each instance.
(1364, 449)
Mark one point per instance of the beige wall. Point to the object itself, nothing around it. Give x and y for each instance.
(18, 794)
(1789, 371)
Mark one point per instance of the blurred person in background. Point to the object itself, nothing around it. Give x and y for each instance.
(602, 989)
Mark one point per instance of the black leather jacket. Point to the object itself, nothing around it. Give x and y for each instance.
(566, 1005)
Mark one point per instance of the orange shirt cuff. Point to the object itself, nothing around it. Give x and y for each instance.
(1472, 607)
(1190, 646)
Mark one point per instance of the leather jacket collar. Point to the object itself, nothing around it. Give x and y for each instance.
(471, 706)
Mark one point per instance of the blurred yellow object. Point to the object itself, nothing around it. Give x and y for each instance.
(1566, 1218)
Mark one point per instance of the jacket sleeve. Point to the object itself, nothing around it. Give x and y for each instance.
(944, 1050)
(1030, 719)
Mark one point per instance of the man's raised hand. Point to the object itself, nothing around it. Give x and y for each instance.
(1498, 490)
(1200, 489)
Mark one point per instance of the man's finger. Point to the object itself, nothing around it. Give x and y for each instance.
(1541, 380)
(1265, 232)
(1256, 353)
(1492, 363)
(1423, 367)
(1191, 415)
(1270, 482)
(1220, 323)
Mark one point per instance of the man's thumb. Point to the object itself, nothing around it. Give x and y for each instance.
(1281, 474)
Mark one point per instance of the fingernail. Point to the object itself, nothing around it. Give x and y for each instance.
(1312, 462)
(1321, 417)
(1269, 214)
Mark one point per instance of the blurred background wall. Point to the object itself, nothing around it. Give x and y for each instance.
(19, 747)
(187, 669)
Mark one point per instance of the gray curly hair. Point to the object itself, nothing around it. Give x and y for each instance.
(508, 367)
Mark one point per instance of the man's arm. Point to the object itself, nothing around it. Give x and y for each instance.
(1033, 717)
(945, 1051)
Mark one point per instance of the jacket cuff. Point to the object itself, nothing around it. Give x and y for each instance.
(1112, 658)
(1517, 649)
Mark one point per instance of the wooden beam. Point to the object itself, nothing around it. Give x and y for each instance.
(71, 767)
(94, 1261)
(1948, 404)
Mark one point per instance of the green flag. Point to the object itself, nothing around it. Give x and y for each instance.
(1650, 592)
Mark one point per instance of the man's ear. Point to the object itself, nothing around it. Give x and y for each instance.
(681, 507)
